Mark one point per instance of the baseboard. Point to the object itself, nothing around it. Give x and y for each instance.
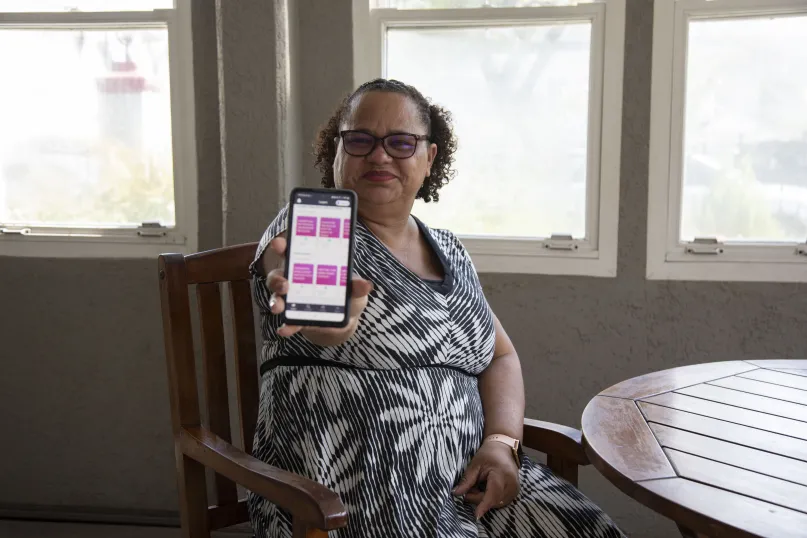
(83, 514)
(107, 516)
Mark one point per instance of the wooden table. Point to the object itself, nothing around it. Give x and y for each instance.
(719, 448)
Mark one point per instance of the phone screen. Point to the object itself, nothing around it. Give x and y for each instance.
(318, 263)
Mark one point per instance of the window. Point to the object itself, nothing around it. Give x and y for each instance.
(728, 166)
(96, 142)
(535, 89)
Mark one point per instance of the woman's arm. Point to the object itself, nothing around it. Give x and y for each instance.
(501, 387)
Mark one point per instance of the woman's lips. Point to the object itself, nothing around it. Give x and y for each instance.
(378, 176)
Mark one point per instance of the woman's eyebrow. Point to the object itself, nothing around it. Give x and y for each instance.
(372, 132)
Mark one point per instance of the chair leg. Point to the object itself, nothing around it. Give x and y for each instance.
(563, 468)
(192, 498)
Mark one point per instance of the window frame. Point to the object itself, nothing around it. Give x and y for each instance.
(125, 241)
(668, 257)
(596, 254)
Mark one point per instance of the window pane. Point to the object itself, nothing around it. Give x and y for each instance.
(453, 4)
(745, 154)
(519, 97)
(86, 137)
(56, 6)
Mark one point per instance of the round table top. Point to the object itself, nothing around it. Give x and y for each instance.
(719, 448)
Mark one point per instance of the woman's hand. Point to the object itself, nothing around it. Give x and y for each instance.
(494, 466)
(322, 336)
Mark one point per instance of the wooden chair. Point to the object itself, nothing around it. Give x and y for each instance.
(199, 445)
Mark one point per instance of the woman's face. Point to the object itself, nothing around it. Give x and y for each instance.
(377, 178)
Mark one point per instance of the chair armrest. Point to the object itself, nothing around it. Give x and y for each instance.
(555, 440)
(305, 499)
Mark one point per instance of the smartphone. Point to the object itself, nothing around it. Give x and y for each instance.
(319, 257)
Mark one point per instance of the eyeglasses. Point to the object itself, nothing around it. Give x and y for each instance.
(397, 145)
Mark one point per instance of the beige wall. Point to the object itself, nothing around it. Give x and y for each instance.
(85, 408)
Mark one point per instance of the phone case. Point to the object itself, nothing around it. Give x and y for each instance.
(351, 248)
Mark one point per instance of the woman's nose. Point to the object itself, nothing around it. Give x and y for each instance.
(379, 154)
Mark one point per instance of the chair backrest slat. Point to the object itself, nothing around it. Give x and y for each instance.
(214, 364)
(246, 365)
(178, 342)
(220, 265)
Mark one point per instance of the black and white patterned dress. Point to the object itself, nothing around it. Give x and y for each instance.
(391, 418)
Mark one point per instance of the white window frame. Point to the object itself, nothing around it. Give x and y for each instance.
(596, 254)
(134, 241)
(668, 258)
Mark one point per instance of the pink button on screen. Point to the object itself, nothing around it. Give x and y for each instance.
(326, 275)
(303, 273)
(329, 227)
(306, 226)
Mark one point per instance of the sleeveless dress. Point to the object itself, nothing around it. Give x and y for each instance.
(391, 418)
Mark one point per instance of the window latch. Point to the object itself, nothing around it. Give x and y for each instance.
(801, 250)
(15, 231)
(152, 229)
(561, 242)
(708, 246)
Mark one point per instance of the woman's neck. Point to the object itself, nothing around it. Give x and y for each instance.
(392, 230)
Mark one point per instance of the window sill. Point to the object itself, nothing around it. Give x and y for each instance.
(729, 271)
(531, 257)
(93, 247)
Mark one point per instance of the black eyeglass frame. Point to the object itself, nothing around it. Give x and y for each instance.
(383, 140)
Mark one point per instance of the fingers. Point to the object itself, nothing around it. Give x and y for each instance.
(288, 330)
(468, 481)
(278, 246)
(276, 304)
(361, 288)
(277, 283)
(474, 496)
(494, 494)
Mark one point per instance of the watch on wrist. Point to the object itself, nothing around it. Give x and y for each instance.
(514, 444)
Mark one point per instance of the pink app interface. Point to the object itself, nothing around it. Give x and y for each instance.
(318, 259)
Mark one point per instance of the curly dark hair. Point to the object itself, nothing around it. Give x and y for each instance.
(436, 119)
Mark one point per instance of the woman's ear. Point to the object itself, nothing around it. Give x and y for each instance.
(432, 156)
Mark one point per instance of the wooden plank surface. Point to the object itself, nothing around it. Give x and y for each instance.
(667, 380)
(729, 413)
(616, 433)
(787, 364)
(777, 378)
(791, 372)
(732, 454)
(711, 510)
(726, 431)
(747, 401)
(763, 389)
(741, 481)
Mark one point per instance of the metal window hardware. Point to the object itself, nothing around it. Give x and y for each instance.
(709, 246)
(561, 242)
(801, 250)
(152, 229)
(15, 231)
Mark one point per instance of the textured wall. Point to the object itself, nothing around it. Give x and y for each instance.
(83, 387)
(326, 68)
(249, 56)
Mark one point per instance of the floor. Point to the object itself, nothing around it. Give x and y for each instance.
(35, 529)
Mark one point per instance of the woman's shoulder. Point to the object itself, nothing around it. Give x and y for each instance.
(449, 243)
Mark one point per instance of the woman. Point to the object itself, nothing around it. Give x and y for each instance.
(395, 411)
